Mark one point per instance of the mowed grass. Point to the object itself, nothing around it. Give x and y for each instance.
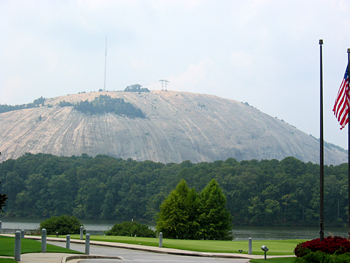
(7, 247)
(276, 247)
(7, 260)
(273, 260)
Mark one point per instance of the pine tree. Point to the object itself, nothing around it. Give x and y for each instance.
(173, 216)
(215, 220)
(192, 208)
(185, 214)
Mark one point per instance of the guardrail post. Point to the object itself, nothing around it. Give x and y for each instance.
(250, 247)
(18, 245)
(81, 232)
(43, 240)
(160, 239)
(87, 244)
(68, 242)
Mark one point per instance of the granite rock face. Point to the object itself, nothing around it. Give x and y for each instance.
(178, 126)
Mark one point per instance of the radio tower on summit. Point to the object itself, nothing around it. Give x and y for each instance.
(164, 84)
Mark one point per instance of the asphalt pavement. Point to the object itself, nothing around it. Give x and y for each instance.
(136, 256)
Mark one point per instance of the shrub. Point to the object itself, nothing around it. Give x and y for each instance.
(330, 250)
(64, 103)
(61, 225)
(131, 228)
(329, 245)
(318, 256)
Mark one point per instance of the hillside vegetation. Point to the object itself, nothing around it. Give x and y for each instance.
(105, 104)
(266, 192)
(35, 103)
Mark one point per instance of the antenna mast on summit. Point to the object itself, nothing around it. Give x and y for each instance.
(104, 87)
(164, 83)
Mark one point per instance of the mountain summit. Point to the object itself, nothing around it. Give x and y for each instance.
(162, 126)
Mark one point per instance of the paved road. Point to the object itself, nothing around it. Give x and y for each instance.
(137, 256)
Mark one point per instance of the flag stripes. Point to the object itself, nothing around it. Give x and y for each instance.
(341, 105)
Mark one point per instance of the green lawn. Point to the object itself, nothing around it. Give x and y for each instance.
(273, 260)
(7, 260)
(276, 247)
(7, 246)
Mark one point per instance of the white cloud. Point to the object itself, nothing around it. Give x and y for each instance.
(138, 64)
(168, 4)
(241, 59)
(194, 75)
(12, 88)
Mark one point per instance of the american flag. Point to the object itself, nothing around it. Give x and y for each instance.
(341, 105)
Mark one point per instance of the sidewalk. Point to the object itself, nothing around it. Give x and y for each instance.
(72, 258)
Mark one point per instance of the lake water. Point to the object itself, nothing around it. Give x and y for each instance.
(239, 232)
(33, 223)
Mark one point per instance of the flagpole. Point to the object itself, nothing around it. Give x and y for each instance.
(321, 146)
(347, 91)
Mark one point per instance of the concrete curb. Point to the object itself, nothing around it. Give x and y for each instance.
(68, 258)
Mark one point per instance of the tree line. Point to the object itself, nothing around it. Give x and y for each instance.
(266, 192)
(36, 103)
(100, 105)
(105, 104)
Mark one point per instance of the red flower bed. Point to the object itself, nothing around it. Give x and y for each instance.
(329, 245)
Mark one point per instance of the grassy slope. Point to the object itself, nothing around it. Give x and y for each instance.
(276, 247)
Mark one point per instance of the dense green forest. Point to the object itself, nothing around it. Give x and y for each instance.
(267, 192)
(104, 104)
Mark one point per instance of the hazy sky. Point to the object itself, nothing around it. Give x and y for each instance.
(264, 52)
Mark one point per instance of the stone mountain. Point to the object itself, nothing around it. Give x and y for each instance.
(177, 126)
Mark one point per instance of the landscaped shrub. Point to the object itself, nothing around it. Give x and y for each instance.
(329, 245)
(331, 249)
(321, 257)
(61, 225)
(131, 229)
